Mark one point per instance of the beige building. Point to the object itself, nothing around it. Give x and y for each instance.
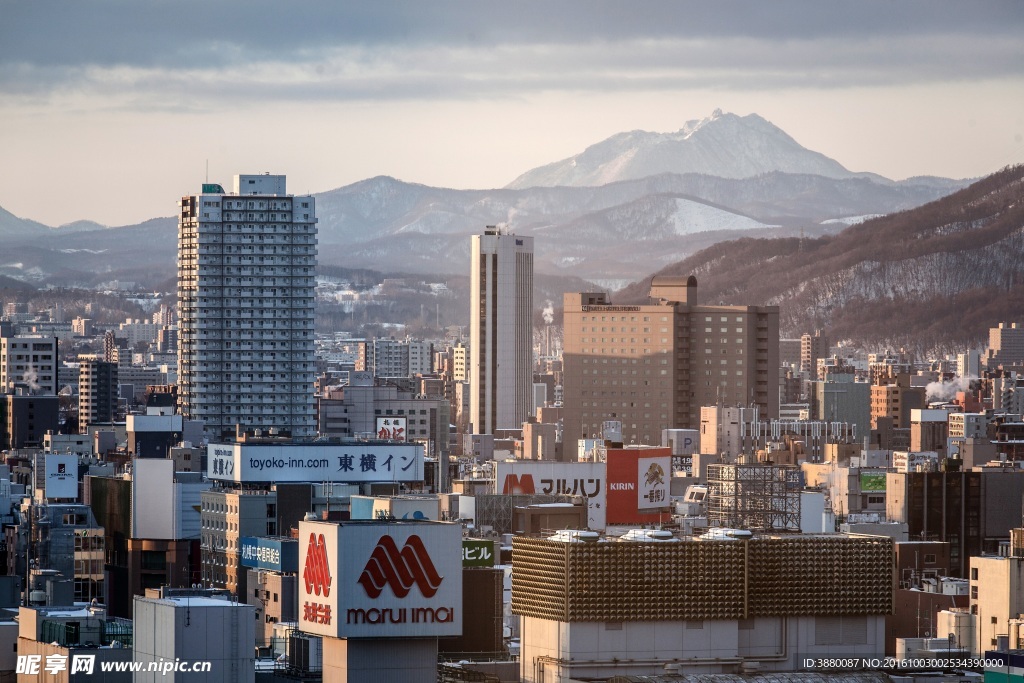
(896, 400)
(1005, 345)
(653, 366)
(997, 596)
(812, 348)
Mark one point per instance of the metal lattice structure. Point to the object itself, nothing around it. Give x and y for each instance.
(790, 575)
(755, 496)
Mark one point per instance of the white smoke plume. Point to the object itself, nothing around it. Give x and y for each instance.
(946, 391)
(31, 378)
(548, 312)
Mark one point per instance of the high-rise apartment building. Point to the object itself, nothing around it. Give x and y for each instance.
(812, 347)
(501, 331)
(246, 269)
(653, 366)
(1005, 345)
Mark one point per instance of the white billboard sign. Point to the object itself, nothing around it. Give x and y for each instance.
(317, 462)
(392, 428)
(61, 476)
(586, 479)
(393, 580)
(652, 482)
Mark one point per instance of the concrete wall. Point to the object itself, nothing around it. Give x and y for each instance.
(603, 650)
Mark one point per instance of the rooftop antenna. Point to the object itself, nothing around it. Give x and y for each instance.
(207, 170)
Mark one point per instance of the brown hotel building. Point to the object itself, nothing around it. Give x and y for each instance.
(653, 366)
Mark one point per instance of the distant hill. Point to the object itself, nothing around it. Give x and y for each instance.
(942, 273)
(637, 202)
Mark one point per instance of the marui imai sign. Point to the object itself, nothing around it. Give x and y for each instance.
(393, 579)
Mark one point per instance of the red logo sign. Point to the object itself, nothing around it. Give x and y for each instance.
(317, 572)
(518, 485)
(400, 569)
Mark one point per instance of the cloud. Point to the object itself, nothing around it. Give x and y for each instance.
(155, 55)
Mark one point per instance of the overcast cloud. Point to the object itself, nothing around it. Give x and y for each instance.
(77, 77)
(413, 50)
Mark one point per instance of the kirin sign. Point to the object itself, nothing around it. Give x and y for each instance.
(639, 481)
(391, 579)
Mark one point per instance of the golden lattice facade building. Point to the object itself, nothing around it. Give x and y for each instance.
(653, 366)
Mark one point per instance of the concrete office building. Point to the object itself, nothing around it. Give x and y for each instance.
(359, 410)
(840, 399)
(395, 357)
(896, 400)
(501, 330)
(195, 626)
(813, 347)
(72, 632)
(28, 363)
(246, 271)
(26, 420)
(654, 366)
(973, 511)
(97, 392)
(997, 597)
(968, 364)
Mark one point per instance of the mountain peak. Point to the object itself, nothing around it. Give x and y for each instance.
(723, 144)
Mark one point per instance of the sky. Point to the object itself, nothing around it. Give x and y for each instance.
(112, 110)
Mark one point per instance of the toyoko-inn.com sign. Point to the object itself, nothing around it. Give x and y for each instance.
(319, 462)
(380, 579)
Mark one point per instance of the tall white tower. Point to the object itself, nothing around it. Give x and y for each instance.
(246, 277)
(501, 331)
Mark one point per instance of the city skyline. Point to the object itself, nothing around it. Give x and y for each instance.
(470, 96)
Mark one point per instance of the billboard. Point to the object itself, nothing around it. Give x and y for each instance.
(380, 579)
(584, 479)
(477, 552)
(638, 485)
(275, 554)
(60, 476)
(392, 428)
(684, 444)
(915, 461)
(872, 482)
(317, 462)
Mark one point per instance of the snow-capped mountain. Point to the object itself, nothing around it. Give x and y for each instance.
(716, 179)
(723, 145)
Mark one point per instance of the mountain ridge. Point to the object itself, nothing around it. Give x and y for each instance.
(946, 270)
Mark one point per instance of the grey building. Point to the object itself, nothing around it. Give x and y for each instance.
(246, 273)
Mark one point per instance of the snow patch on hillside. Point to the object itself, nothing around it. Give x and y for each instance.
(851, 220)
(692, 217)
